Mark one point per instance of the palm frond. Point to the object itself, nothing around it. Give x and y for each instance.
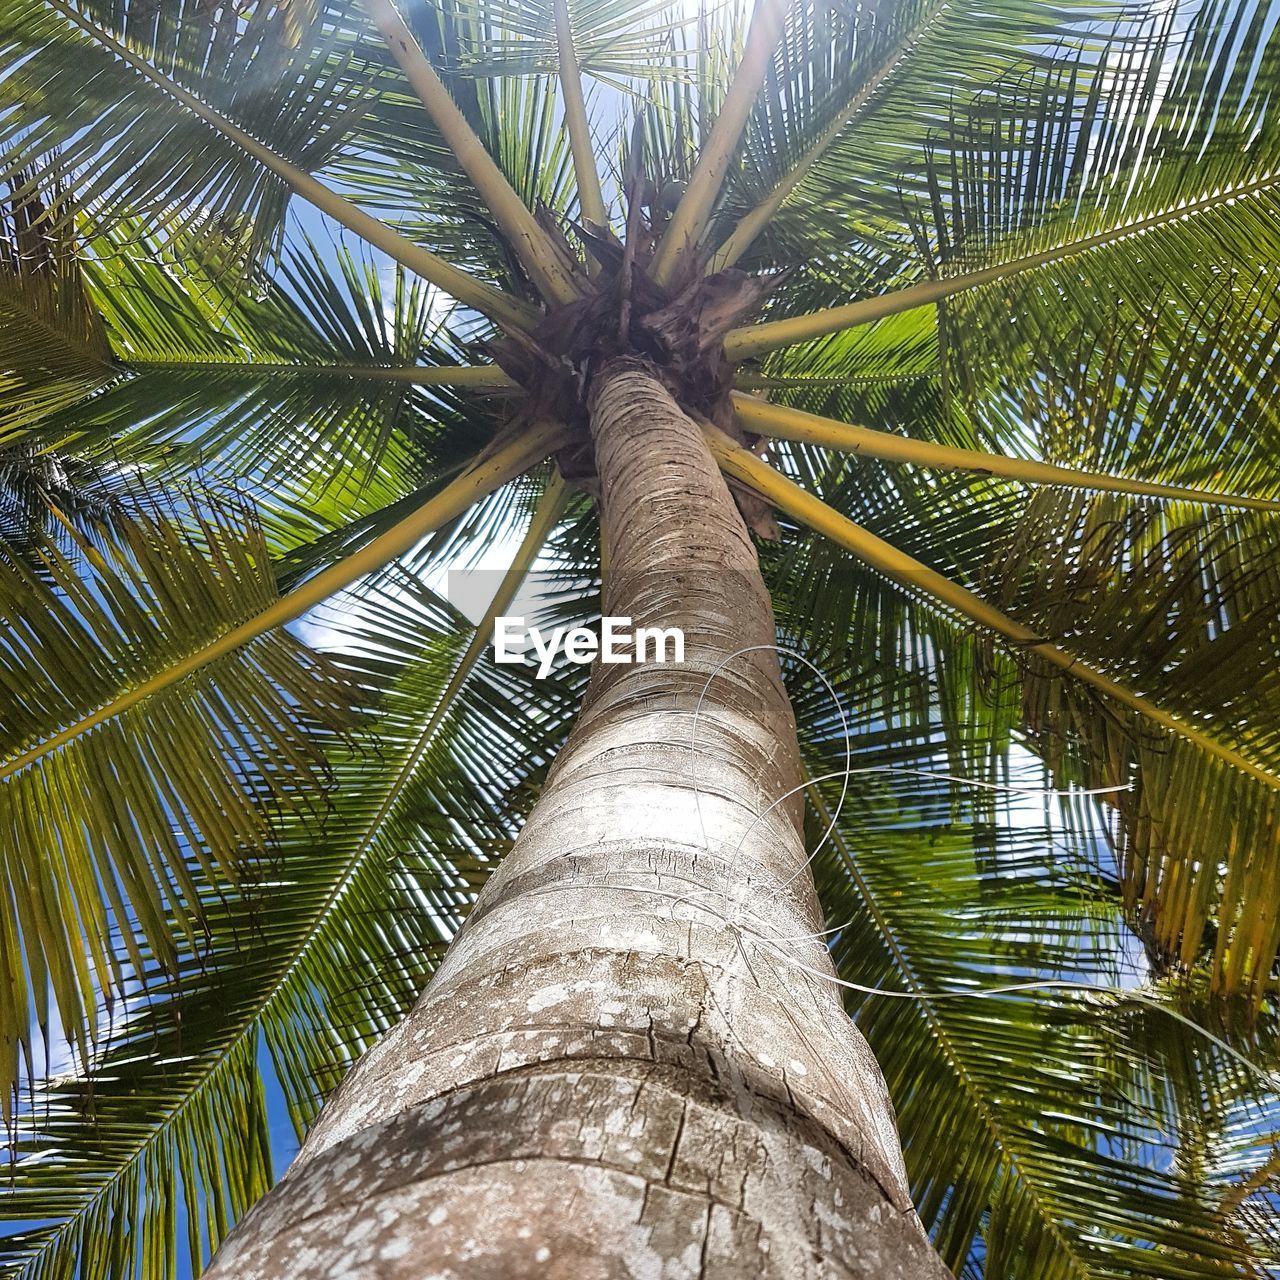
(300, 391)
(828, 72)
(53, 348)
(1160, 595)
(355, 907)
(611, 39)
(72, 107)
(1084, 155)
(158, 126)
(1048, 1132)
(96, 882)
(856, 97)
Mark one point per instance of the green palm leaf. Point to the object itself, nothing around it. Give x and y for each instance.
(290, 381)
(97, 883)
(53, 349)
(355, 905)
(1022, 1162)
(132, 149)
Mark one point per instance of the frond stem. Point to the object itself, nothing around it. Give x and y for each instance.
(753, 340)
(484, 475)
(880, 555)
(478, 376)
(782, 381)
(530, 242)
(692, 214)
(590, 197)
(783, 423)
(510, 312)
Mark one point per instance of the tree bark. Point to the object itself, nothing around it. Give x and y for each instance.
(630, 1062)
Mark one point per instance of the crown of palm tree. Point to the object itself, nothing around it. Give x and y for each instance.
(978, 301)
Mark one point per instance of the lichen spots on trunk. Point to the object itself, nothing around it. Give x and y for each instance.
(630, 1063)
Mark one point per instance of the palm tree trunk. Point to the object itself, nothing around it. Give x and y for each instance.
(630, 1062)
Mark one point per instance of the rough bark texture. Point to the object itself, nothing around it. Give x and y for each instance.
(624, 1067)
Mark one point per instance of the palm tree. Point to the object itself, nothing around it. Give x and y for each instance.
(916, 360)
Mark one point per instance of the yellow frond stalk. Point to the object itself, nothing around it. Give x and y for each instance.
(910, 573)
(783, 423)
(485, 475)
(590, 197)
(694, 210)
(529, 241)
(754, 340)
